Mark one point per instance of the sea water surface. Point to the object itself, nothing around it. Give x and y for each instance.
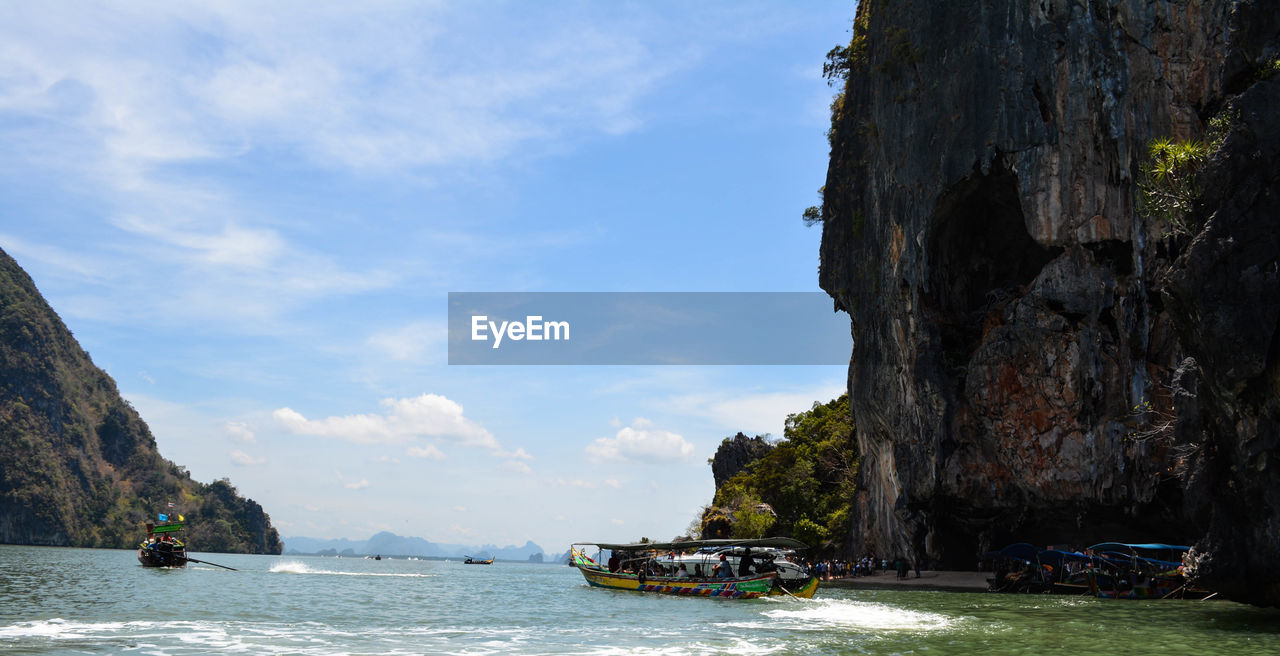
(87, 601)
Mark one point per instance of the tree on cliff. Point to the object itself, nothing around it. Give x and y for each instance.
(803, 486)
(80, 467)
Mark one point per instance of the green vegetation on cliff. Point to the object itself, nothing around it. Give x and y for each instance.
(803, 487)
(80, 467)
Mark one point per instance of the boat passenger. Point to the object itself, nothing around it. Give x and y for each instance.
(614, 564)
(745, 563)
(683, 572)
(724, 570)
(697, 572)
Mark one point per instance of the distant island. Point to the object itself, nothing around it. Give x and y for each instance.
(390, 544)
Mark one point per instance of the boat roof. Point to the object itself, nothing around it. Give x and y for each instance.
(778, 543)
(1150, 546)
(1054, 556)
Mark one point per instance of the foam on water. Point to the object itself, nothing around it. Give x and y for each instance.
(863, 616)
(295, 567)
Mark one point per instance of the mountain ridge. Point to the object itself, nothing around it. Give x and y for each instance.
(388, 543)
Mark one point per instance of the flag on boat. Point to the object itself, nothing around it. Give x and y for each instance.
(181, 519)
(170, 504)
(163, 517)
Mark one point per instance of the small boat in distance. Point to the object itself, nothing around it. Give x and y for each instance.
(658, 567)
(162, 548)
(478, 561)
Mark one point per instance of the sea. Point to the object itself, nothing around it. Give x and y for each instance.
(93, 601)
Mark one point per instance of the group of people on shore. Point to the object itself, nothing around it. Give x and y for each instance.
(868, 565)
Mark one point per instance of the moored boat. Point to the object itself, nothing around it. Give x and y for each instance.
(162, 548)
(1110, 570)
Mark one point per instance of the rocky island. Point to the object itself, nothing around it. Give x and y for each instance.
(78, 466)
(1043, 351)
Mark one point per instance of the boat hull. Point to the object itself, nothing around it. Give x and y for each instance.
(804, 591)
(740, 588)
(152, 558)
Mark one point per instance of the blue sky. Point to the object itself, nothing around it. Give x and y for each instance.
(251, 215)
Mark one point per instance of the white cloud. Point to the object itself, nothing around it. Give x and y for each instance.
(577, 482)
(460, 509)
(616, 522)
(518, 454)
(613, 483)
(640, 443)
(241, 458)
(240, 432)
(428, 415)
(517, 467)
(414, 343)
(357, 485)
(429, 452)
(393, 86)
(755, 413)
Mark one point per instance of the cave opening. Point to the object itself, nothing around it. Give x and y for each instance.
(964, 530)
(980, 257)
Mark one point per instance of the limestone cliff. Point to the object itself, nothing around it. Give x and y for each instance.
(1010, 304)
(78, 466)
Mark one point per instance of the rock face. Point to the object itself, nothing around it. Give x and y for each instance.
(1010, 305)
(734, 454)
(78, 466)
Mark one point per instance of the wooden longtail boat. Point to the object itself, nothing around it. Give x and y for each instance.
(477, 561)
(165, 550)
(756, 584)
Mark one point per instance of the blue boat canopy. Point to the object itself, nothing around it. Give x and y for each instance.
(1149, 546)
(1052, 556)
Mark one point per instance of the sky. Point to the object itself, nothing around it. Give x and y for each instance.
(251, 216)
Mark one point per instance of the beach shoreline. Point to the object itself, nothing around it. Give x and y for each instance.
(929, 580)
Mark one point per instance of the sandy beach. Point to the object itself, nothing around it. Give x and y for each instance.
(929, 580)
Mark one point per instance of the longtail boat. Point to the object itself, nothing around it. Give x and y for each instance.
(477, 561)
(162, 548)
(1136, 571)
(1110, 570)
(663, 568)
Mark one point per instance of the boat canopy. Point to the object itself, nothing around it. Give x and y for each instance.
(777, 543)
(167, 528)
(1054, 556)
(1150, 546)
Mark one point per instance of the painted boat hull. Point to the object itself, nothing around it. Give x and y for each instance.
(740, 588)
(804, 591)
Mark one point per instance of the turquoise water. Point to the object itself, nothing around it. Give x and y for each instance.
(84, 601)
